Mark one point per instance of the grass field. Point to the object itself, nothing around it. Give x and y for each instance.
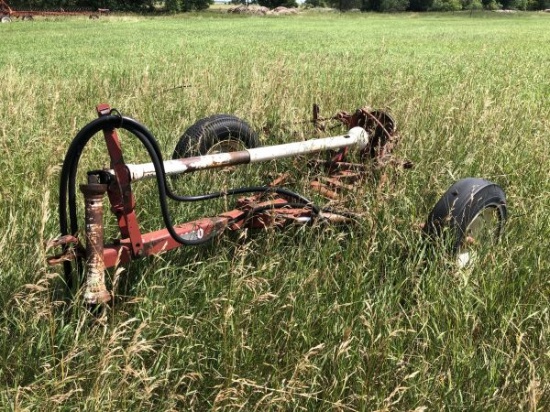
(317, 318)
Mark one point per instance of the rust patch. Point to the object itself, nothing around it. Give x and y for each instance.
(95, 291)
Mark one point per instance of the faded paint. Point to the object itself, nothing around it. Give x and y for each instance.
(95, 291)
(357, 137)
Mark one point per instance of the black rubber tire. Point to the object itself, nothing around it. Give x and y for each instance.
(461, 205)
(207, 132)
(5, 19)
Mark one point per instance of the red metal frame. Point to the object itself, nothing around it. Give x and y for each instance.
(258, 211)
(134, 244)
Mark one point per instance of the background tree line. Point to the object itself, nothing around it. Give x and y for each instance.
(429, 5)
(343, 5)
(114, 5)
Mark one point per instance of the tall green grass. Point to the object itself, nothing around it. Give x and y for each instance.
(366, 317)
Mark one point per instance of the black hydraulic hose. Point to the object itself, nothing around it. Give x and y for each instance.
(165, 192)
(243, 190)
(163, 186)
(67, 190)
(69, 169)
(256, 210)
(156, 158)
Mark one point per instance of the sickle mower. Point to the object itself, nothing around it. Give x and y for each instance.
(471, 211)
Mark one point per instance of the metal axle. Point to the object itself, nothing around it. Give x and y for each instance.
(356, 136)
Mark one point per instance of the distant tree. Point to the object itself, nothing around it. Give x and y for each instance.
(344, 5)
(172, 5)
(491, 5)
(446, 5)
(370, 5)
(420, 5)
(394, 5)
(187, 5)
(128, 5)
(117, 5)
(33, 4)
(385, 5)
(277, 3)
(316, 3)
(530, 4)
(475, 5)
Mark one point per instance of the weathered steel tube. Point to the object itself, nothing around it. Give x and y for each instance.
(95, 291)
(355, 137)
(189, 164)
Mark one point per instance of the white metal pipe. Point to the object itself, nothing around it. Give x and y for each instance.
(179, 166)
(356, 137)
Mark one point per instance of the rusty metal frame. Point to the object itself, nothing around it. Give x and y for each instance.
(258, 211)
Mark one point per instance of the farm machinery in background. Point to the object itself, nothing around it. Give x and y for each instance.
(472, 211)
(7, 13)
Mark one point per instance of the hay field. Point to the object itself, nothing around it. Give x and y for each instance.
(306, 319)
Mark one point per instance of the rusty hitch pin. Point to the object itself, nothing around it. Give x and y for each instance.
(95, 291)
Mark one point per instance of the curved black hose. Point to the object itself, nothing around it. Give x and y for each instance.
(67, 189)
(165, 190)
(259, 209)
